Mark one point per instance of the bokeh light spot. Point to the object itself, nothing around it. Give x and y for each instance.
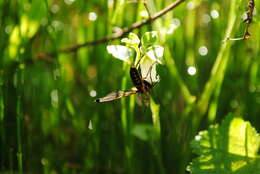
(54, 98)
(57, 25)
(206, 18)
(203, 50)
(92, 16)
(144, 14)
(93, 93)
(192, 70)
(69, 2)
(55, 8)
(214, 14)
(190, 5)
(8, 29)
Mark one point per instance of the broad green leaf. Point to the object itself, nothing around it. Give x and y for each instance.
(145, 132)
(132, 40)
(155, 53)
(149, 38)
(230, 148)
(120, 52)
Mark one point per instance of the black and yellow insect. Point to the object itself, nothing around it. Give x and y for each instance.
(141, 86)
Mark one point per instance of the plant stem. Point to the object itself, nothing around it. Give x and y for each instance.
(19, 139)
(219, 67)
(174, 72)
(126, 124)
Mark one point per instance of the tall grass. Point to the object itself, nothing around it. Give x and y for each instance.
(46, 102)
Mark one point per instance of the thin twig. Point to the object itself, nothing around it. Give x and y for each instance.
(123, 31)
(147, 9)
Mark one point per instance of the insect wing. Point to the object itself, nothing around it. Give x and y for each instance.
(148, 70)
(115, 95)
(144, 96)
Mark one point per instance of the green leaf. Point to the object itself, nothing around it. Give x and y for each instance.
(155, 53)
(149, 38)
(155, 109)
(230, 148)
(132, 40)
(145, 132)
(70, 107)
(120, 52)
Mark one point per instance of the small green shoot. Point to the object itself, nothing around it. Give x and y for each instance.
(147, 55)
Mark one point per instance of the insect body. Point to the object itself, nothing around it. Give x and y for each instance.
(141, 86)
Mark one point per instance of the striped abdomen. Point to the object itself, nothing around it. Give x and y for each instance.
(136, 78)
(147, 85)
(141, 84)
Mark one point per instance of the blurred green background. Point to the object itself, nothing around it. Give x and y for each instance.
(48, 120)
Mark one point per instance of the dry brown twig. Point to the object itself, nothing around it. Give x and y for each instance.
(121, 32)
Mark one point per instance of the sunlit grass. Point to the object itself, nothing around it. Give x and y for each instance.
(46, 101)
